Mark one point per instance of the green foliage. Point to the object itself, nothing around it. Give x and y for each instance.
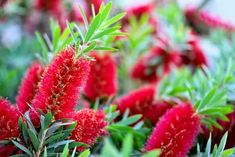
(52, 138)
(218, 151)
(83, 40)
(126, 151)
(205, 89)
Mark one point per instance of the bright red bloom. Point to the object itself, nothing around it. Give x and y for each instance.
(47, 5)
(96, 3)
(102, 80)
(137, 100)
(9, 116)
(139, 10)
(195, 56)
(90, 125)
(29, 86)
(176, 131)
(152, 66)
(61, 83)
(7, 150)
(141, 101)
(156, 111)
(198, 17)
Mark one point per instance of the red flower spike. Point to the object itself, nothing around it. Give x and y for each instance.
(175, 133)
(139, 10)
(61, 83)
(195, 56)
(156, 62)
(7, 151)
(102, 80)
(204, 18)
(47, 5)
(90, 125)
(137, 100)
(9, 116)
(155, 111)
(29, 86)
(199, 56)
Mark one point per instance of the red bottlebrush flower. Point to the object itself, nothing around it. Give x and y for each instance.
(96, 3)
(141, 101)
(175, 133)
(157, 62)
(29, 86)
(90, 125)
(2, 3)
(156, 111)
(61, 83)
(47, 5)
(137, 100)
(139, 10)
(9, 116)
(102, 80)
(204, 19)
(195, 55)
(7, 150)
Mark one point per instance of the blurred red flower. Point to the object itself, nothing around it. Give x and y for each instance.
(153, 65)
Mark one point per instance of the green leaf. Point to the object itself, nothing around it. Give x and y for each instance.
(85, 153)
(222, 145)
(153, 153)
(127, 146)
(90, 47)
(53, 138)
(93, 27)
(65, 151)
(113, 20)
(60, 143)
(130, 120)
(84, 17)
(105, 48)
(23, 148)
(107, 31)
(34, 139)
(45, 152)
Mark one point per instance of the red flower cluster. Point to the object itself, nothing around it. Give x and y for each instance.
(96, 4)
(47, 5)
(137, 100)
(61, 83)
(7, 150)
(197, 17)
(152, 66)
(9, 116)
(138, 11)
(29, 86)
(102, 80)
(194, 56)
(176, 131)
(141, 101)
(90, 125)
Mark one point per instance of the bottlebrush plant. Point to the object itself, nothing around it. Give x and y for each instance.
(75, 100)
